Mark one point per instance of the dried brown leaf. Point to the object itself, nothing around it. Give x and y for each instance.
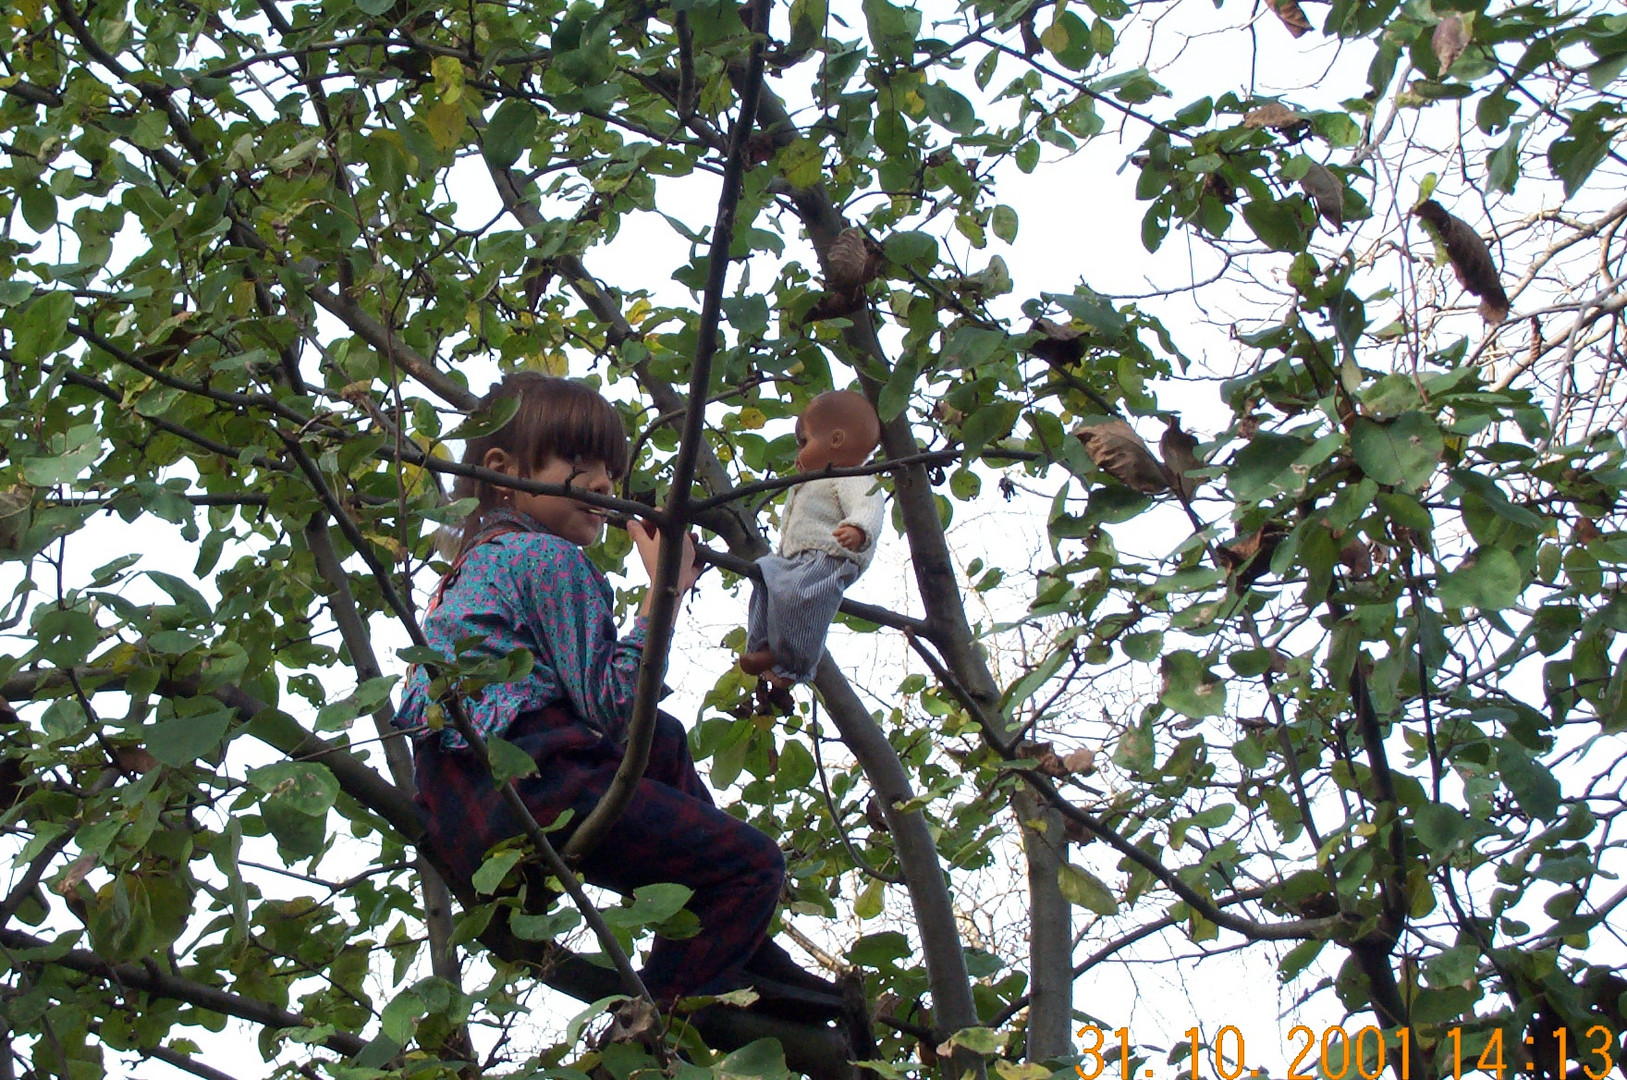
(1118, 451)
(1060, 345)
(1081, 762)
(1180, 457)
(1449, 40)
(836, 305)
(875, 815)
(1470, 259)
(1357, 557)
(1248, 557)
(1327, 191)
(1275, 115)
(1292, 16)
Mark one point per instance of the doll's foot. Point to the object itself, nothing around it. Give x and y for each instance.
(756, 662)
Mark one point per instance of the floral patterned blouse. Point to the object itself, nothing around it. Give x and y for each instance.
(527, 588)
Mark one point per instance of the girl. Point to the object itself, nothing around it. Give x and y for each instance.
(521, 579)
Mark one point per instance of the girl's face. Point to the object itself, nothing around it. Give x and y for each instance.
(566, 518)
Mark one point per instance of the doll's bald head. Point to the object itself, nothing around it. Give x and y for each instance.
(839, 428)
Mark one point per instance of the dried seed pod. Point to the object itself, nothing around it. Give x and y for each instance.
(1292, 16)
(1449, 40)
(1275, 115)
(854, 260)
(1327, 192)
(1470, 258)
(1118, 451)
(1060, 345)
(1180, 457)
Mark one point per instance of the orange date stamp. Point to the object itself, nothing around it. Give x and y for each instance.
(1335, 1053)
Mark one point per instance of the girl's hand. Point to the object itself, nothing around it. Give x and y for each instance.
(647, 538)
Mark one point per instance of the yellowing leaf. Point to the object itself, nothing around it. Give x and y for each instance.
(445, 122)
(751, 419)
(639, 311)
(550, 363)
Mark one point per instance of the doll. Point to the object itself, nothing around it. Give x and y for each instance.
(828, 532)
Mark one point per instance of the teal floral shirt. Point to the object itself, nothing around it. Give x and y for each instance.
(527, 588)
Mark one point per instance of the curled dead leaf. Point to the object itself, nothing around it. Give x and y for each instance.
(1470, 258)
(1080, 762)
(1276, 115)
(1060, 345)
(1118, 451)
(1327, 191)
(134, 759)
(1356, 557)
(1077, 833)
(1221, 188)
(1248, 558)
(1292, 16)
(1180, 458)
(1448, 41)
(1045, 757)
(875, 815)
(854, 260)
(836, 305)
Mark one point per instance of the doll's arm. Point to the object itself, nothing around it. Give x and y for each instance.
(862, 505)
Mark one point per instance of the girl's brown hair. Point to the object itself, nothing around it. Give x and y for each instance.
(557, 418)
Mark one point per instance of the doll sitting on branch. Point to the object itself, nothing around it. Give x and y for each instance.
(828, 533)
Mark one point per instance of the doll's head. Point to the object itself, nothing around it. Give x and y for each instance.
(839, 429)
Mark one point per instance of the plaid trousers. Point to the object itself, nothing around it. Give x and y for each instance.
(670, 832)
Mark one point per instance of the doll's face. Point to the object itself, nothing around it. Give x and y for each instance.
(832, 432)
(817, 445)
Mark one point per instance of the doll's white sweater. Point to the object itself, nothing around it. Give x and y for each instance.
(814, 509)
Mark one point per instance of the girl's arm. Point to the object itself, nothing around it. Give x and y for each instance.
(570, 607)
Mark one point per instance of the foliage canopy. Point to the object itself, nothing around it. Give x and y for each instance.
(1356, 639)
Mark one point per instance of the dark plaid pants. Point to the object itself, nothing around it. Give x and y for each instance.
(670, 832)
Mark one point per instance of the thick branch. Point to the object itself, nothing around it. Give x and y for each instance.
(150, 979)
(669, 564)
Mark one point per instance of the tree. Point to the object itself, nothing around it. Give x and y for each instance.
(244, 287)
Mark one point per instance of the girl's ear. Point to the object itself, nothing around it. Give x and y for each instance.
(500, 460)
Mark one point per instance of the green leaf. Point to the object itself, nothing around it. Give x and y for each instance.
(1503, 164)
(509, 132)
(1488, 579)
(1082, 888)
(1442, 828)
(1190, 688)
(509, 762)
(950, 108)
(181, 740)
(307, 787)
(760, 1060)
(1532, 785)
(895, 395)
(868, 904)
(1003, 220)
(42, 327)
(489, 878)
(879, 950)
(1277, 224)
(1403, 452)
(987, 422)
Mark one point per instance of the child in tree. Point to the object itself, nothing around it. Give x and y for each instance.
(828, 532)
(521, 579)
